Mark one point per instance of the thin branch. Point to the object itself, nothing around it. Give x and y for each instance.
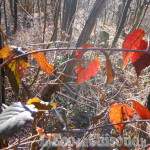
(74, 131)
(70, 49)
(22, 141)
(74, 99)
(98, 127)
(45, 15)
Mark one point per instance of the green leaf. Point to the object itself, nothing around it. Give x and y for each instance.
(12, 79)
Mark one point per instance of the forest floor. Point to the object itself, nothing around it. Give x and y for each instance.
(124, 86)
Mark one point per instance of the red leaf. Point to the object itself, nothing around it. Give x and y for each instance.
(124, 148)
(42, 61)
(135, 41)
(142, 63)
(79, 53)
(91, 70)
(141, 110)
(119, 113)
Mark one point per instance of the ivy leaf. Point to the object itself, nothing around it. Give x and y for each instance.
(141, 110)
(40, 105)
(15, 117)
(79, 53)
(91, 70)
(135, 41)
(43, 63)
(119, 113)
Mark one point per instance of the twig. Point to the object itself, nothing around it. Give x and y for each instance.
(98, 34)
(70, 49)
(77, 130)
(148, 145)
(98, 127)
(74, 99)
(53, 42)
(61, 73)
(118, 91)
(34, 78)
(51, 74)
(45, 15)
(22, 141)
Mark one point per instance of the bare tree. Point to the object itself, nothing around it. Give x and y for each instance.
(84, 36)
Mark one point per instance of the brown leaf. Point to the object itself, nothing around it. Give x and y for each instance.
(108, 69)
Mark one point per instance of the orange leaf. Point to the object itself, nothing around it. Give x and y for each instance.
(79, 53)
(40, 131)
(141, 110)
(5, 51)
(135, 41)
(91, 70)
(119, 113)
(42, 61)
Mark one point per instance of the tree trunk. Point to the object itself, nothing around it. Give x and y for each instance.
(138, 17)
(3, 142)
(15, 15)
(11, 7)
(69, 10)
(90, 23)
(5, 15)
(56, 17)
(121, 26)
(2, 74)
(84, 36)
